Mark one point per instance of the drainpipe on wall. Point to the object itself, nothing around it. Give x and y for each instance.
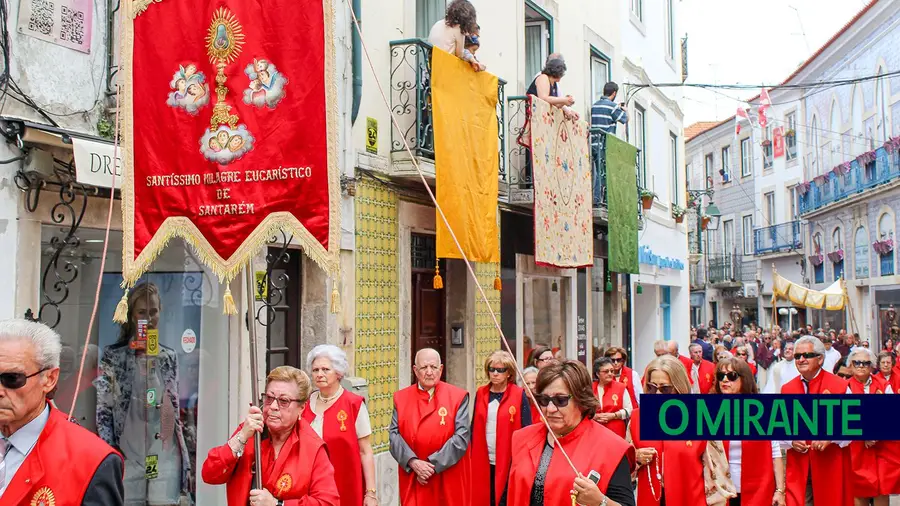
(356, 61)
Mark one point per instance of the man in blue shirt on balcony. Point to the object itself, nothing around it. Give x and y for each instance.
(605, 113)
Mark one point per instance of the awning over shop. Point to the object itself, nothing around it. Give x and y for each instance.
(832, 298)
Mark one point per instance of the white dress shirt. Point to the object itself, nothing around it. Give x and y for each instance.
(831, 358)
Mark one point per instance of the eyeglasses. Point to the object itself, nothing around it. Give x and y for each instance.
(844, 376)
(740, 354)
(498, 370)
(606, 371)
(560, 401)
(731, 375)
(862, 363)
(653, 388)
(548, 359)
(283, 402)
(808, 356)
(16, 380)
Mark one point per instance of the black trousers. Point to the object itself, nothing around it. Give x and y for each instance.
(493, 491)
(736, 501)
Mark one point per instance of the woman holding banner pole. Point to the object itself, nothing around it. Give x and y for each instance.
(757, 467)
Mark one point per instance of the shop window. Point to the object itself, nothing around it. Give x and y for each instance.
(147, 405)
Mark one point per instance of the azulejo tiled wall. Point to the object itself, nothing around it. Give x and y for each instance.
(487, 337)
(377, 302)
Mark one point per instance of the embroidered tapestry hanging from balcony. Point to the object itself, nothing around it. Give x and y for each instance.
(563, 218)
(466, 158)
(229, 130)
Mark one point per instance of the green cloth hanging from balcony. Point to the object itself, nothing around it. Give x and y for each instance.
(621, 185)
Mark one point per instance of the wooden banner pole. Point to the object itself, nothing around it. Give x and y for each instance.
(250, 291)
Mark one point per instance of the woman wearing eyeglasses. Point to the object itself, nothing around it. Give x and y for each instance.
(542, 356)
(529, 375)
(540, 474)
(887, 365)
(615, 403)
(670, 472)
(742, 352)
(757, 467)
(295, 464)
(501, 408)
(876, 464)
(341, 419)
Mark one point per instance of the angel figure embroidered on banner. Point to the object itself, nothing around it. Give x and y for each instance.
(267, 84)
(190, 90)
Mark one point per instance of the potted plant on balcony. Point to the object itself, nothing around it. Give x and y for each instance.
(765, 143)
(892, 145)
(836, 256)
(866, 158)
(790, 132)
(883, 247)
(647, 197)
(678, 213)
(816, 259)
(704, 222)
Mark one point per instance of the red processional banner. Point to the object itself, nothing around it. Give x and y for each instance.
(229, 130)
(778, 142)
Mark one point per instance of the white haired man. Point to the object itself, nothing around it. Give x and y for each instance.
(429, 436)
(44, 458)
(817, 472)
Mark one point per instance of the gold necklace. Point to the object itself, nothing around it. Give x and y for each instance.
(326, 400)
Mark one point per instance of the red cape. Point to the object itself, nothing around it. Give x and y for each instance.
(687, 363)
(339, 433)
(681, 467)
(611, 402)
(875, 470)
(426, 425)
(625, 378)
(509, 420)
(829, 467)
(757, 472)
(894, 382)
(707, 375)
(591, 446)
(302, 472)
(61, 464)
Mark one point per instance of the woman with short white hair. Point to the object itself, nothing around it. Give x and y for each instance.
(875, 465)
(342, 420)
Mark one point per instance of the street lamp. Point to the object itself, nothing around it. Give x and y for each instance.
(714, 215)
(789, 312)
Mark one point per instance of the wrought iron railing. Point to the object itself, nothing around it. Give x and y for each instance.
(885, 168)
(781, 237)
(724, 269)
(411, 101)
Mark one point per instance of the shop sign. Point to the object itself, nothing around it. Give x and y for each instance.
(96, 162)
(647, 257)
(188, 340)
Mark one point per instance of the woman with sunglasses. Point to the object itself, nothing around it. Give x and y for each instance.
(295, 463)
(501, 408)
(670, 472)
(341, 419)
(876, 464)
(742, 352)
(540, 474)
(615, 403)
(757, 467)
(542, 356)
(843, 370)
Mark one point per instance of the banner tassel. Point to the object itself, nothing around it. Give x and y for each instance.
(335, 300)
(228, 306)
(498, 284)
(121, 314)
(438, 280)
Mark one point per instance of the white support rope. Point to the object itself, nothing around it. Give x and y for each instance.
(465, 258)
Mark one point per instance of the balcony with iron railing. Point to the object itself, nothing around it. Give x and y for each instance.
(724, 270)
(862, 175)
(777, 238)
(411, 104)
(517, 185)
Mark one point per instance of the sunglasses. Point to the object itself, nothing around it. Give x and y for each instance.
(547, 359)
(731, 375)
(862, 363)
(560, 401)
(808, 356)
(16, 380)
(498, 370)
(844, 376)
(283, 402)
(653, 388)
(617, 360)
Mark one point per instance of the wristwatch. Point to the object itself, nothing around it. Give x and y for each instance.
(279, 503)
(605, 501)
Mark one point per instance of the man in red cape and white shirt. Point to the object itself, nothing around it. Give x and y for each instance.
(818, 472)
(429, 435)
(702, 372)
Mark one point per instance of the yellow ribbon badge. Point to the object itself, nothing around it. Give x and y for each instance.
(284, 484)
(342, 417)
(43, 497)
(443, 413)
(512, 414)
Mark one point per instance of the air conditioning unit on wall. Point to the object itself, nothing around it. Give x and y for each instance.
(751, 290)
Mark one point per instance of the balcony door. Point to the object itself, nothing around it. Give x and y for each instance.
(728, 244)
(429, 319)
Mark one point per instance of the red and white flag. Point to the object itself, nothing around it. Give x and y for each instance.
(741, 116)
(764, 103)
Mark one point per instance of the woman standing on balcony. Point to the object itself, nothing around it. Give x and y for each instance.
(449, 34)
(546, 85)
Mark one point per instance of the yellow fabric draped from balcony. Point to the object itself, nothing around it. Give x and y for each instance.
(466, 158)
(832, 298)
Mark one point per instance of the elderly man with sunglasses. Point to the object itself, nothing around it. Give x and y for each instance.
(44, 458)
(817, 471)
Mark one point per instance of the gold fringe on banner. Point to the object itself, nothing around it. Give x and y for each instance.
(134, 266)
